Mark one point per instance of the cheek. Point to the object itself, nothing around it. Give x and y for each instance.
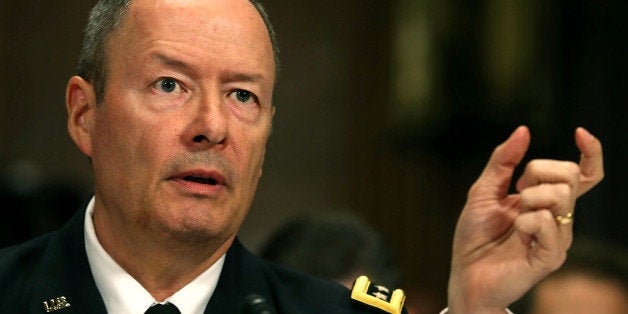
(247, 150)
(255, 163)
(130, 144)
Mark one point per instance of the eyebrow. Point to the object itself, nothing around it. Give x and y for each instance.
(231, 75)
(169, 61)
(244, 77)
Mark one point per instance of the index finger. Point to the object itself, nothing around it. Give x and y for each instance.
(591, 160)
(495, 179)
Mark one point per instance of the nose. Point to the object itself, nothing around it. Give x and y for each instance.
(208, 126)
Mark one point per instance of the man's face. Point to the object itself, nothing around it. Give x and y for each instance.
(178, 145)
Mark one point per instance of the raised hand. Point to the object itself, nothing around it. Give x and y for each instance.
(505, 243)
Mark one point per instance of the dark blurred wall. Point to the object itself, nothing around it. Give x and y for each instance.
(365, 123)
(39, 48)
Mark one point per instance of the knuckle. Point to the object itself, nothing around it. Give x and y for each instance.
(534, 165)
(475, 189)
(572, 167)
(563, 190)
(545, 215)
(556, 259)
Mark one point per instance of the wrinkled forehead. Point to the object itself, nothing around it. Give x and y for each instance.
(200, 16)
(198, 21)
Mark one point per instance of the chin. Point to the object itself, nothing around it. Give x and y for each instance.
(198, 224)
(194, 236)
(201, 230)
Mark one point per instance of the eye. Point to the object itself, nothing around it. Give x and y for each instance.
(242, 95)
(167, 85)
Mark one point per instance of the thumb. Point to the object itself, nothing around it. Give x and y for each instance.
(495, 179)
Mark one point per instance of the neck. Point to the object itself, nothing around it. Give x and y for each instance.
(161, 264)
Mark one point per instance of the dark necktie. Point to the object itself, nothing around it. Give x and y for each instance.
(167, 308)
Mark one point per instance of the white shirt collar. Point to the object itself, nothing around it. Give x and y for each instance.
(123, 294)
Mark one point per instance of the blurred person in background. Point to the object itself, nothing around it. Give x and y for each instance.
(340, 246)
(593, 280)
(337, 246)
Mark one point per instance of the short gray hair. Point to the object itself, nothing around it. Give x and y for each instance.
(105, 18)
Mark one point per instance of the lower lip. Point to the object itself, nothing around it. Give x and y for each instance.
(197, 189)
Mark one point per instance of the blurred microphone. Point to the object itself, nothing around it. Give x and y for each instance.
(256, 304)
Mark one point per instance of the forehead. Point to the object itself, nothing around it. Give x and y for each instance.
(196, 13)
(211, 26)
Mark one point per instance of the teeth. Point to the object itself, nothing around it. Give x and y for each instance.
(210, 181)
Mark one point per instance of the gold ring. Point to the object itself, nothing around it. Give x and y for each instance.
(563, 220)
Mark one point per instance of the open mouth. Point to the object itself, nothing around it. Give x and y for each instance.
(202, 180)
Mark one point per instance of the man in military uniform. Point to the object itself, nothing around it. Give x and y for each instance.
(172, 103)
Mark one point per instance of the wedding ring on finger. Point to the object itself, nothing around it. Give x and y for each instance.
(563, 220)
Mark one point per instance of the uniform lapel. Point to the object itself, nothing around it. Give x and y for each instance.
(64, 279)
(241, 276)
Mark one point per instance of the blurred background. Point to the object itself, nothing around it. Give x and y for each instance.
(386, 109)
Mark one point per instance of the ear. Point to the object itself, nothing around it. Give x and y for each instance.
(80, 101)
